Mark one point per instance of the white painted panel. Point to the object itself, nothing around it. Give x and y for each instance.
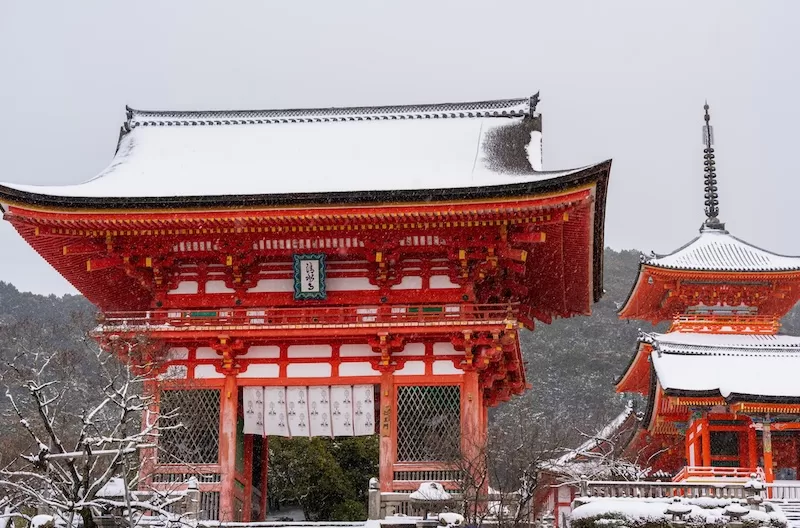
(357, 351)
(412, 349)
(411, 368)
(174, 372)
(207, 372)
(442, 282)
(445, 367)
(185, 287)
(262, 352)
(261, 370)
(177, 353)
(309, 351)
(218, 286)
(273, 285)
(349, 284)
(206, 353)
(409, 283)
(308, 370)
(357, 369)
(445, 349)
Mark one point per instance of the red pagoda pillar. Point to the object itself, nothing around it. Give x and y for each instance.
(227, 447)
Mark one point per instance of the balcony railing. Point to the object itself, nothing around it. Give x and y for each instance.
(311, 317)
(703, 473)
(737, 323)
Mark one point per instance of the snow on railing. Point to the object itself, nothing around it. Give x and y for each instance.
(645, 489)
(388, 315)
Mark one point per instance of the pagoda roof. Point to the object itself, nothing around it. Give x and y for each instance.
(718, 250)
(325, 155)
(759, 368)
(715, 256)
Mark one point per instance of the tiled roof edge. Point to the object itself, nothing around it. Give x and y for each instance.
(495, 108)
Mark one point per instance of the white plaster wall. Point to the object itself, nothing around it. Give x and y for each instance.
(445, 349)
(262, 352)
(206, 353)
(177, 353)
(174, 372)
(308, 370)
(357, 369)
(412, 349)
(357, 351)
(409, 282)
(309, 351)
(218, 286)
(411, 368)
(349, 284)
(185, 287)
(442, 282)
(445, 367)
(273, 285)
(207, 372)
(261, 371)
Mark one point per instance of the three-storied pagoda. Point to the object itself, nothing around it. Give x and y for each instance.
(722, 386)
(333, 272)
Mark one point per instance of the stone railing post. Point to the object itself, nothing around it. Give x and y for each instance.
(584, 486)
(374, 500)
(192, 499)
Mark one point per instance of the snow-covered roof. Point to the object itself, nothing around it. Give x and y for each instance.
(757, 367)
(606, 434)
(332, 150)
(718, 250)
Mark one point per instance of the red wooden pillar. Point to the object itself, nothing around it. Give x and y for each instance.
(706, 436)
(264, 509)
(248, 476)
(148, 456)
(387, 442)
(752, 447)
(766, 436)
(227, 446)
(472, 434)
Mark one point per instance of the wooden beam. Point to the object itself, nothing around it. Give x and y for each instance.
(103, 263)
(533, 237)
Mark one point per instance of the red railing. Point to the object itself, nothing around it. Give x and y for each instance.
(741, 323)
(702, 472)
(318, 316)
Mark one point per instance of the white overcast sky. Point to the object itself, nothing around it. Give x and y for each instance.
(621, 80)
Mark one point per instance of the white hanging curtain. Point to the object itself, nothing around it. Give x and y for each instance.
(342, 410)
(275, 419)
(253, 401)
(297, 410)
(364, 410)
(319, 411)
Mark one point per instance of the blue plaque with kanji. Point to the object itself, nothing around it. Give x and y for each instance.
(309, 276)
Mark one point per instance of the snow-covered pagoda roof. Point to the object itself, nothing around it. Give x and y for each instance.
(334, 155)
(718, 250)
(737, 367)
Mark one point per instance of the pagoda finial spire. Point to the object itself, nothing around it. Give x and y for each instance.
(711, 196)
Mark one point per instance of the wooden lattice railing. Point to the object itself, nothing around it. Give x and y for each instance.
(313, 317)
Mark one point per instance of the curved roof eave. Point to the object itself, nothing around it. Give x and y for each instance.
(597, 173)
